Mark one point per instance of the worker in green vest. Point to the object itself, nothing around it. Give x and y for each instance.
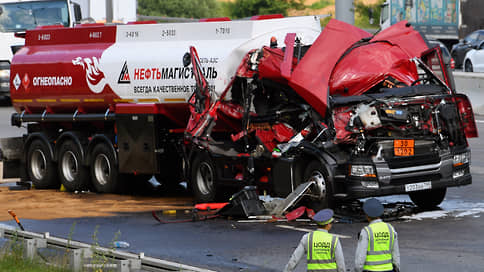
(324, 252)
(377, 248)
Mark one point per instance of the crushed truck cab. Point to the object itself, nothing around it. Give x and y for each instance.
(274, 103)
(353, 114)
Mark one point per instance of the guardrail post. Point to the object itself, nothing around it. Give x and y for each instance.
(2, 233)
(135, 264)
(77, 256)
(128, 265)
(123, 266)
(31, 246)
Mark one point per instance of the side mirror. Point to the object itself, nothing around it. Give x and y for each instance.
(1, 10)
(462, 41)
(77, 12)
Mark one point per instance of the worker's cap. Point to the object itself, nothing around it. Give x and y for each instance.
(373, 207)
(324, 217)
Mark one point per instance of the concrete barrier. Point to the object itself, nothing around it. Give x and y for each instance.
(471, 84)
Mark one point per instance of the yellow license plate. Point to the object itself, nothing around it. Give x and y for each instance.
(404, 147)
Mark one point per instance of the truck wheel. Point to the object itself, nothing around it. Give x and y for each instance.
(323, 188)
(429, 198)
(104, 169)
(40, 166)
(203, 178)
(73, 175)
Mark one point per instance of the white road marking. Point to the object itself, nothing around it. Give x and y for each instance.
(479, 121)
(309, 230)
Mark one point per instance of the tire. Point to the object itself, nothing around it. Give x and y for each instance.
(203, 179)
(72, 174)
(315, 171)
(468, 66)
(104, 169)
(428, 199)
(41, 168)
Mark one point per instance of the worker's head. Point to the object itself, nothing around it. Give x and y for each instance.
(373, 209)
(324, 219)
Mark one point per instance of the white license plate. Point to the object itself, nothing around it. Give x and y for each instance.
(418, 186)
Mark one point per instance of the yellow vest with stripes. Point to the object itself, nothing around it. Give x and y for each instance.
(321, 252)
(380, 245)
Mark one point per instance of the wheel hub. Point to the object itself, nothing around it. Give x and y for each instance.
(69, 166)
(205, 178)
(38, 164)
(102, 169)
(319, 184)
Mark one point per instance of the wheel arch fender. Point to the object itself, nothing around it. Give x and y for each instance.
(74, 137)
(190, 158)
(312, 153)
(42, 137)
(96, 139)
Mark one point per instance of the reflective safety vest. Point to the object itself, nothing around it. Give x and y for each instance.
(321, 250)
(380, 245)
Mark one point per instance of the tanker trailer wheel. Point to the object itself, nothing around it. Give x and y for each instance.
(72, 173)
(203, 179)
(428, 199)
(322, 192)
(41, 167)
(104, 169)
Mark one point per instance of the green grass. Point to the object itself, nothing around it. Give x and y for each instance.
(13, 261)
(322, 4)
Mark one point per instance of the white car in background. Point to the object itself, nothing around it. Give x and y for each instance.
(474, 59)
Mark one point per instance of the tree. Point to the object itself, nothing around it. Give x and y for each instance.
(247, 8)
(364, 11)
(176, 8)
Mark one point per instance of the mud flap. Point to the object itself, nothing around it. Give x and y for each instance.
(292, 198)
(11, 153)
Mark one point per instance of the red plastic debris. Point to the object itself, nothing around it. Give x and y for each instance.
(210, 206)
(296, 213)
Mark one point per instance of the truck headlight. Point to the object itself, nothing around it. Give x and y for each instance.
(362, 171)
(462, 158)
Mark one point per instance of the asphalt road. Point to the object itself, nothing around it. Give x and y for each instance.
(449, 239)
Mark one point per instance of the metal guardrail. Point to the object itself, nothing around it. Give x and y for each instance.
(122, 261)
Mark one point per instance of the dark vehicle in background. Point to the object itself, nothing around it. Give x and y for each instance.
(471, 41)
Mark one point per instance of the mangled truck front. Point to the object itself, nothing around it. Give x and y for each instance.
(350, 116)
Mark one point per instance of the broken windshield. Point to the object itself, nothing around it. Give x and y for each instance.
(17, 17)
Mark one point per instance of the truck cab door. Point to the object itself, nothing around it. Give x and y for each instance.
(435, 61)
(467, 115)
(76, 13)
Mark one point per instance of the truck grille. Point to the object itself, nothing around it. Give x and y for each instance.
(425, 153)
(421, 178)
(417, 160)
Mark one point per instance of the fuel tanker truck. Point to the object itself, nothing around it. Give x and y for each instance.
(271, 102)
